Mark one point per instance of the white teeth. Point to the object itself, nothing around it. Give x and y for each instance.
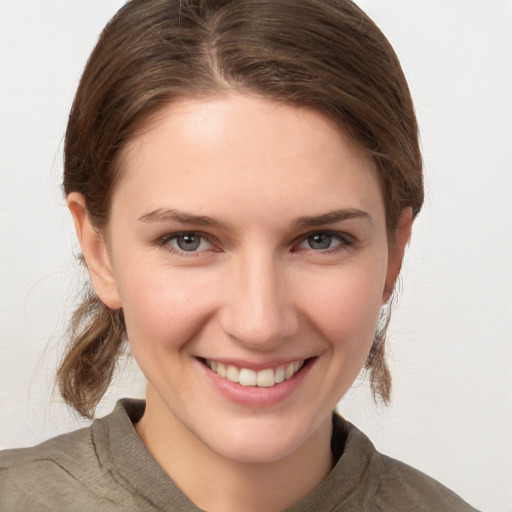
(264, 378)
(248, 377)
(279, 374)
(232, 373)
(221, 370)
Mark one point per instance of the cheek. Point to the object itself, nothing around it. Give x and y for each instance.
(345, 308)
(164, 312)
(163, 308)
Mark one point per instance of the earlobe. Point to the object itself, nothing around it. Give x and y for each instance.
(396, 252)
(95, 252)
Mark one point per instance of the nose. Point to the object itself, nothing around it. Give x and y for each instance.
(259, 310)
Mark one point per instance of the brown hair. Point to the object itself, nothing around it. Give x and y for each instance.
(324, 54)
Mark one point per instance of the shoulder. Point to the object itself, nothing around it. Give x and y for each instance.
(63, 473)
(400, 482)
(392, 485)
(36, 477)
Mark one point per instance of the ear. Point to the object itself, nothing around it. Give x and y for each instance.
(95, 252)
(396, 251)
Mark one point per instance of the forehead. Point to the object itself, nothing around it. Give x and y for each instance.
(240, 151)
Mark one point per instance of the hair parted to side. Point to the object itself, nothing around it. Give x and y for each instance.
(323, 54)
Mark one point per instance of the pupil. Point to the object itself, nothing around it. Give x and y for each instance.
(320, 241)
(188, 242)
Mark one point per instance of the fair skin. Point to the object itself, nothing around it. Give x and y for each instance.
(244, 236)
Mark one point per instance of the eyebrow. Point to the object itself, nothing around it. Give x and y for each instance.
(166, 215)
(333, 216)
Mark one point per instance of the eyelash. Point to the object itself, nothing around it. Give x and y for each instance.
(345, 241)
(165, 240)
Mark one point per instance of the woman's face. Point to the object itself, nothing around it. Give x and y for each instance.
(247, 241)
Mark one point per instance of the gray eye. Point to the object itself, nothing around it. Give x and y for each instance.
(188, 242)
(320, 241)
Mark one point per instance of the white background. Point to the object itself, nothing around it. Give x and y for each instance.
(451, 341)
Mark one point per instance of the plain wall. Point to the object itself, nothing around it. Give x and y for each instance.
(450, 340)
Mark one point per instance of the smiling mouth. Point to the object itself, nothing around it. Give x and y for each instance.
(266, 378)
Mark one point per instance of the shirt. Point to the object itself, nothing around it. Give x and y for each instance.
(106, 467)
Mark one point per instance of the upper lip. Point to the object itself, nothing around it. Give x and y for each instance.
(256, 366)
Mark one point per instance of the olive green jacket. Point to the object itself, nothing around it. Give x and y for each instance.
(106, 467)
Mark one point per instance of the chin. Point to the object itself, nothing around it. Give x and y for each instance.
(257, 450)
(259, 440)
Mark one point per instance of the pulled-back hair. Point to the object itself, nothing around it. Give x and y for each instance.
(323, 54)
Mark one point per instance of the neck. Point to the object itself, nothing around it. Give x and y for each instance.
(237, 486)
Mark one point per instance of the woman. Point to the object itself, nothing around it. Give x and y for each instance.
(243, 178)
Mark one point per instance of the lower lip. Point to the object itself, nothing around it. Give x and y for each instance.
(255, 396)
